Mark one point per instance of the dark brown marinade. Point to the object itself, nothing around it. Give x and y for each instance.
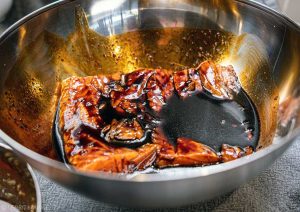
(113, 125)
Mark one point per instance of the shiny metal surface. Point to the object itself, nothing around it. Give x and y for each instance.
(266, 53)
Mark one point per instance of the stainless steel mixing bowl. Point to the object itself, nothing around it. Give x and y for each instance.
(265, 53)
(23, 175)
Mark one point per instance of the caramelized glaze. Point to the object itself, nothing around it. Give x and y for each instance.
(113, 123)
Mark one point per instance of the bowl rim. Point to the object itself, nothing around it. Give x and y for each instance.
(201, 171)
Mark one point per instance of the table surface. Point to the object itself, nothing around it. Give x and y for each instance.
(276, 189)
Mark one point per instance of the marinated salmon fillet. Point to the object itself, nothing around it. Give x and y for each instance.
(80, 124)
(186, 153)
(112, 124)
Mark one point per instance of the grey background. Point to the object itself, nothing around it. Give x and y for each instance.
(276, 189)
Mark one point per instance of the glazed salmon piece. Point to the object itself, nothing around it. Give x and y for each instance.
(80, 125)
(221, 81)
(130, 99)
(187, 82)
(229, 153)
(187, 153)
(159, 89)
(101, 116)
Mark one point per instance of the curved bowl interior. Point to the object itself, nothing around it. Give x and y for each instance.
(55, 42)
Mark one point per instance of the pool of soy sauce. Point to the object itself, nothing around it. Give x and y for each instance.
(212, 121)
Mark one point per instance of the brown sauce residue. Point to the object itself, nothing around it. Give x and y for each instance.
(16, 186)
